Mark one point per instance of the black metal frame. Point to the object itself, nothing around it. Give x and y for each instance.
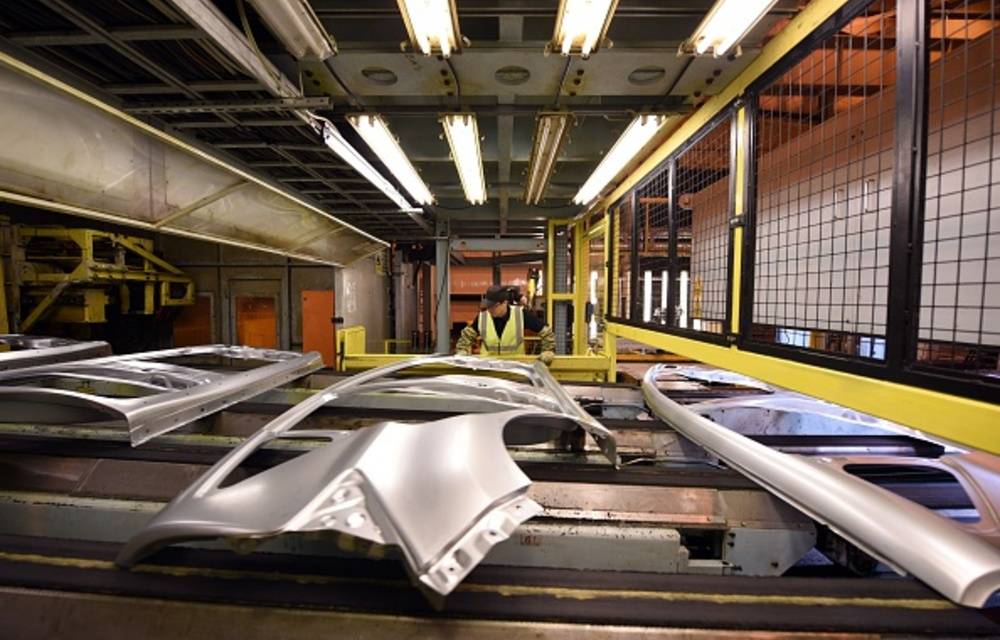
(669, 164)
(907, 214)
(906, 218)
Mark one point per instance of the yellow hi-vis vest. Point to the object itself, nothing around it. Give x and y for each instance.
(512, 340)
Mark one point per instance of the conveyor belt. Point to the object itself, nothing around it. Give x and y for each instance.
(560, 471)
(898, 606)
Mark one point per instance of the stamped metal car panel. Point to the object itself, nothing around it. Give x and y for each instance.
(32, 351)
(906, 536)
(445, 491)
(143, 391)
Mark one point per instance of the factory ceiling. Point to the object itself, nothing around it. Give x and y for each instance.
(164, 62)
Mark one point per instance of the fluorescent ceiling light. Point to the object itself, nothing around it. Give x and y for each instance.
(462, 132)
(432, 25)
(550, 133)
(636, 136)
(581, 25)
(375, 132)
(727, 23)
(298, 28)
(350, 155)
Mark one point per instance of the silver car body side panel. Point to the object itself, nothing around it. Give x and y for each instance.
(901, 533)
(789, 413)
(444, 491)
(544, 391)
(169, 395)
(33, 351)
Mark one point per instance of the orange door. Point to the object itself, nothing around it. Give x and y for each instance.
(193, 326)
(256, 321)
(319, 333)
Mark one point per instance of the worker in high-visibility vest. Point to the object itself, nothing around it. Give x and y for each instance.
(501, 323)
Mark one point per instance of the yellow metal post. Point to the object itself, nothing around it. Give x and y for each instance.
(739, 208)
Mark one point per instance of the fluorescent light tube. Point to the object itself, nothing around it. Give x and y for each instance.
(462, 132)
(375, 132)
(727, 23)
(298, 28)
(350, 155)
(664, 277)
(550, 133)
(432, 25)
(647, 296)
(636, 136)
(581, 25)
(682, 311)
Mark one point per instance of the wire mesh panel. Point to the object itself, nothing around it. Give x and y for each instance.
(621, 215)
(652, 204)
(825, 133)
(701, 222)
(959, 326)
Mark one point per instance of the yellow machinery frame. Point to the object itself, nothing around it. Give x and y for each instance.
(93, 274)
(352, 357)
(953, 418)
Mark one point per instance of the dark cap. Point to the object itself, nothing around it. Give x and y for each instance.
(494, 296)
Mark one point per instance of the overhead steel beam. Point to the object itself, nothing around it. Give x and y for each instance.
(270, 164)
(233, 106)
(89, 25)
(201, 202)
(497, 244)
(313, 148)
(518, 211)
(210, 86)
(46, 165)
(220, 30)
(145, 33)
(621, 107)
(232, 124)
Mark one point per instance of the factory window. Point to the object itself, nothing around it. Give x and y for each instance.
(824, 145)
(959, 315)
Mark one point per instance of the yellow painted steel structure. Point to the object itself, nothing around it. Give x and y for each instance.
(352, 357)
(957, 419)
(90, 271)
(954, 418)
(803, 24)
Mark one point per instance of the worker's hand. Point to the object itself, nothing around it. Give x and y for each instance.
(468, 338)
(547, 357)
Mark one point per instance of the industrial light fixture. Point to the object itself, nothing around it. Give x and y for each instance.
(462, 132)
(727, 23)
(297, 26)
(638, 134)
(550, 133)
(581, 25)
(375, 132)
(350, 155)
(432, 25)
